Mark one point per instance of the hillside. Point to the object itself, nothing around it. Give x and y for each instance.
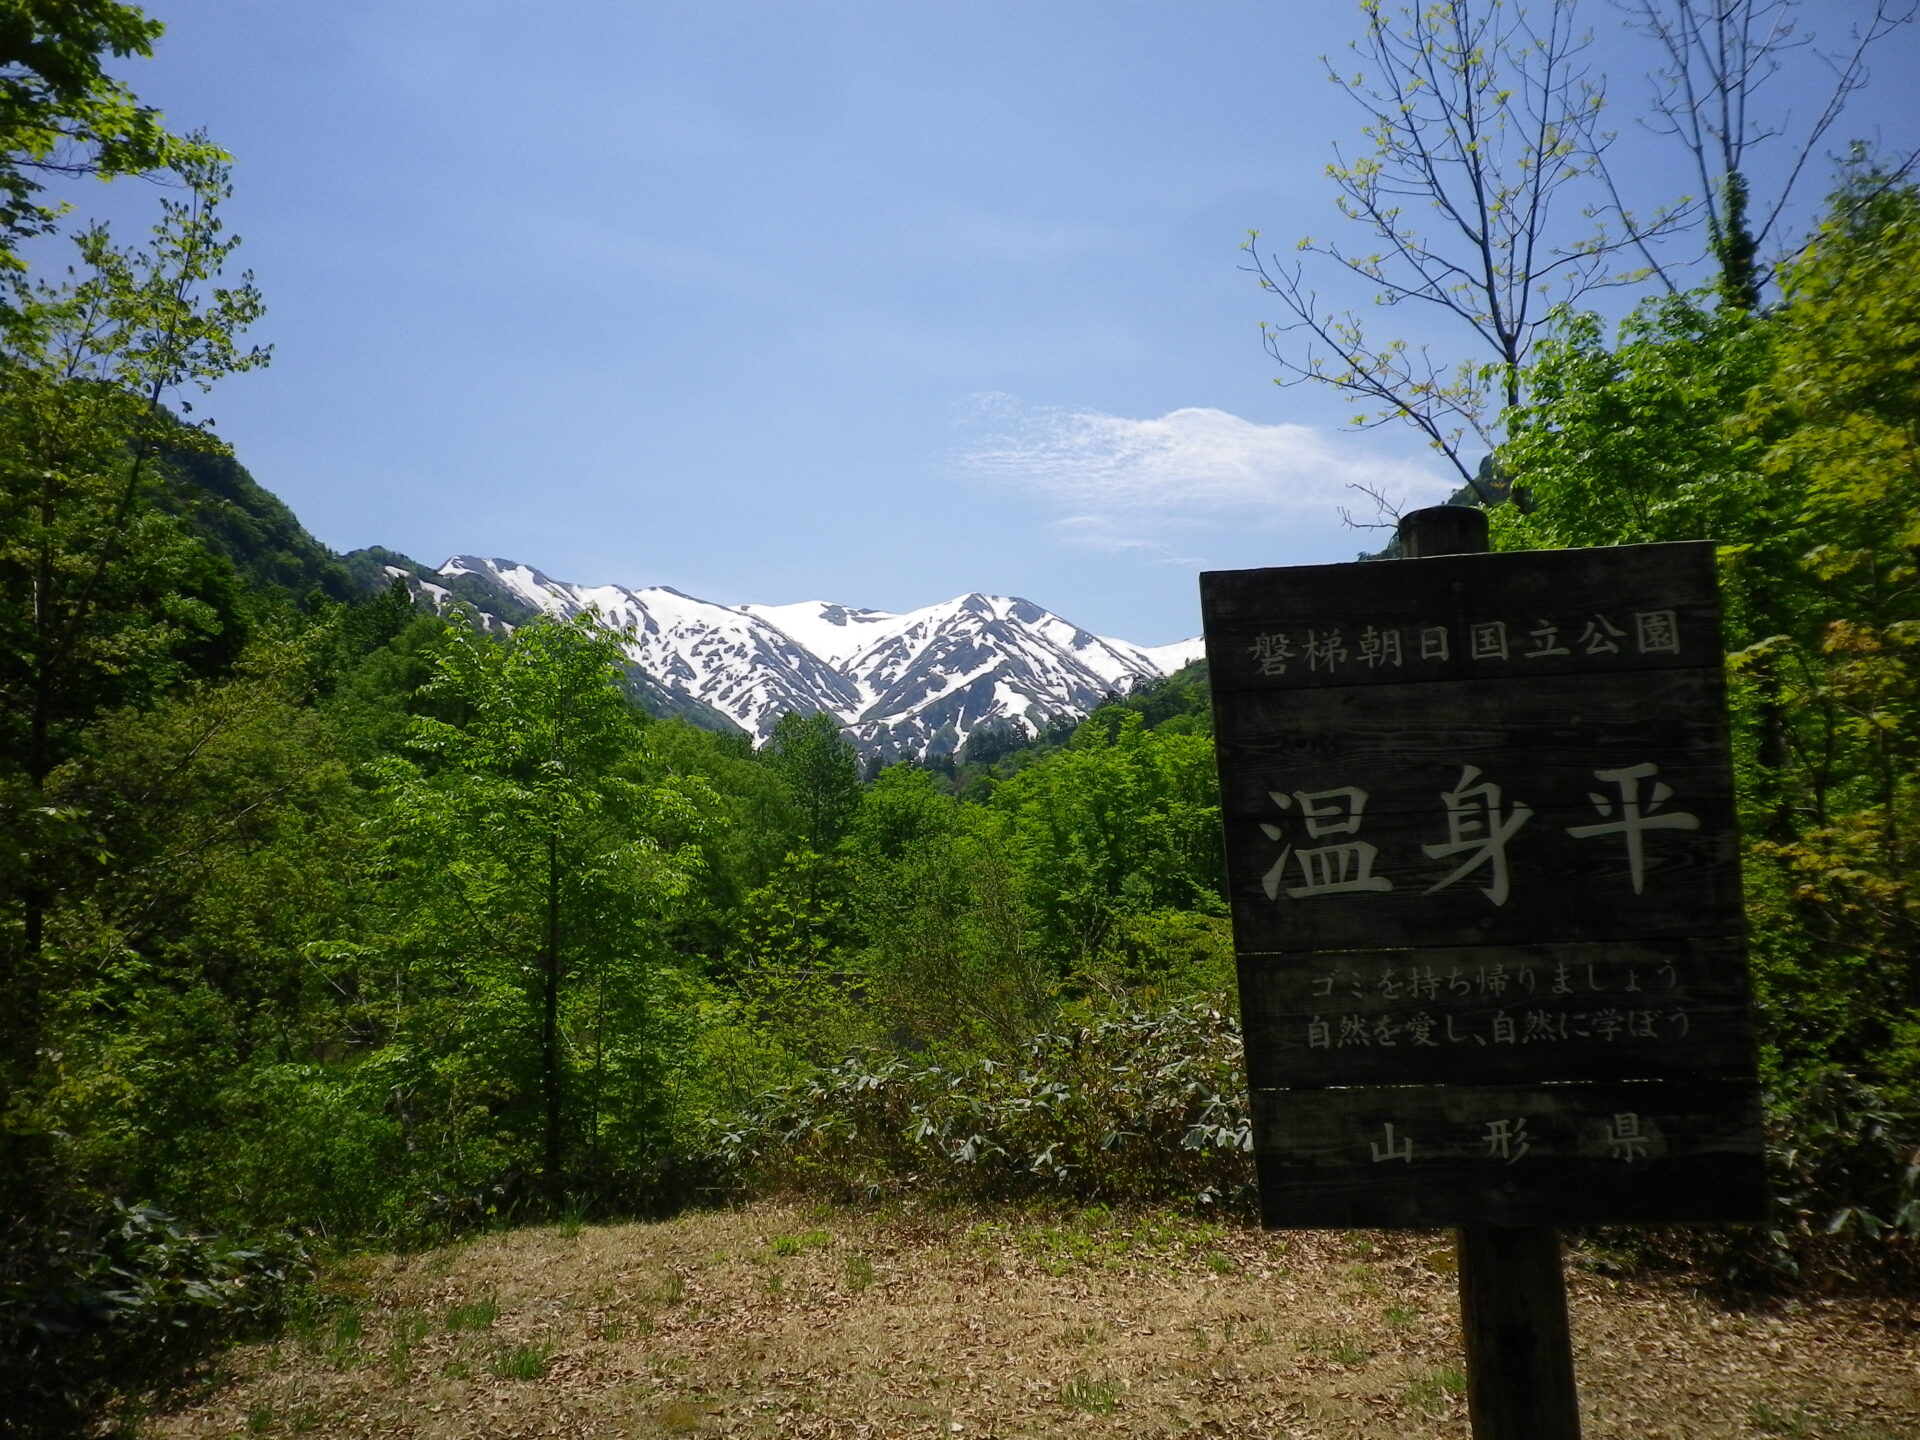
(815, 1322)
(241, 520)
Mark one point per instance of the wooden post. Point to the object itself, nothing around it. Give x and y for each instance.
(1513, 1313)
(1513, 1295)
(1443, 530)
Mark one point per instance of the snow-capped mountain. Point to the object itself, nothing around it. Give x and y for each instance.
(918, 683)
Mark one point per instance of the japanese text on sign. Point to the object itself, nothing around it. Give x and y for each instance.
(1479, 823)
(1328, 649)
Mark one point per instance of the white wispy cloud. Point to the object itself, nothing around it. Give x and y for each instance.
(1127, 483)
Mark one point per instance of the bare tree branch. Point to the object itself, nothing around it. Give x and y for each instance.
(1485, 121)
(1716, 58)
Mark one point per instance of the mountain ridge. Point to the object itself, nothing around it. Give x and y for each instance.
(909, 685)
(913, 684)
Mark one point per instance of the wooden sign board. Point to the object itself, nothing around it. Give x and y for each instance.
(1480, 839)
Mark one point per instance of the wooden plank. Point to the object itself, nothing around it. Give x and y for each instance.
(1551, 612)
(1387, 769)
(1601, 1154)
(1412, 740)
(1672, 1010)
(1561, 888)
(1513, 1303)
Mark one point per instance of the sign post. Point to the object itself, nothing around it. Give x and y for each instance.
(1513, 1292)
(1479, 826)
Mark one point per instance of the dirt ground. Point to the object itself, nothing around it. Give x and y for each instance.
(798, 1321)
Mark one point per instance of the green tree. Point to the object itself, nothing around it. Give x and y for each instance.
(1480, 139)
(1787, 436)
(793, 961)
(63, 114)
(530, 877)
(1484, 193)
(1713, 60)
(950, 945)
(1110, 828)
(902, 807)
(206, 955)
(1840, 416)
(819, 767)
(1630, 438)
(107, 601)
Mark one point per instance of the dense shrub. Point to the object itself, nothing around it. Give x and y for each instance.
(120, 1302)
(1122, 1107)
(1845, 1171)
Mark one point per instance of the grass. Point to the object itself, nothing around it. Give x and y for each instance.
(1096, 1237)
(799, 1244)
(404, 1334)
(1339, 1348)
(681, 1417)
(971, 1327)
(1084, 1392)
(472, 1315)
(1779, 1422)
(521, 1362)
(613, 1329)
(1433, 1391)
(343, 1338)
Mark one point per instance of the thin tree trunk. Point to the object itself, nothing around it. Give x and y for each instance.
(550, 1019)
(23, 984)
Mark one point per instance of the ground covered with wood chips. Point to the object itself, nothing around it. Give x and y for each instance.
(790, 1320)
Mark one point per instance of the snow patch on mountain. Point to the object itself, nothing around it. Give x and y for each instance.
(836, 633)
(1169, 658)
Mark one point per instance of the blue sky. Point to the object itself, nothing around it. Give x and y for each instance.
(873, 302)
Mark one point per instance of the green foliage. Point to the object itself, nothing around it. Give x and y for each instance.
(1121, 1107)
(817, 763)
(902, 808)
(1093, 867)
(1110, 828)
(1166, 955)
(224, 507)
(950, 949)
(1631, 442)
(529, 876)
(1789, 438)
(793, 962)
(63, 113)
(107, 603)
(108, 600)
(232, 832)
(1480, 125)
(120, 1300)
(1842, 415)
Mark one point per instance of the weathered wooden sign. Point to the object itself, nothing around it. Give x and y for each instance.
(1480, 839)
